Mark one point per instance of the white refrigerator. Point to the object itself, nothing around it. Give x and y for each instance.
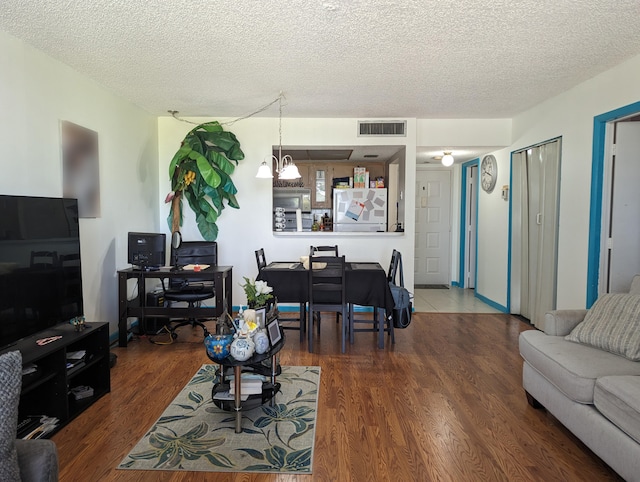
(360, 210)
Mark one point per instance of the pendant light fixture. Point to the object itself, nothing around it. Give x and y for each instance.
(447, 159)
(285, 167)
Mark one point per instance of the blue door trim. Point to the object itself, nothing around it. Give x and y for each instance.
(597, 179)
(463, 211)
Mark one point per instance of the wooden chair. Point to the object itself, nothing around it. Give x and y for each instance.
(353, 321)
(327, 292)
(393, 266)
(260, 259)
(289, 323)
(315, 251)
(323, 251)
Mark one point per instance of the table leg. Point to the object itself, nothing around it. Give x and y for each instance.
(274, 369)
(228, 292)
(237, 372)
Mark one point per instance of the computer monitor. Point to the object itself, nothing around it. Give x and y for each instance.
(147, 250)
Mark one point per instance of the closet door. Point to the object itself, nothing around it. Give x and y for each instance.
(535, 230)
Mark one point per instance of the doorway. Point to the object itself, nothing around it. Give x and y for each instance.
(621, 210)
(469, 225)
(535, 191)
(433, 228)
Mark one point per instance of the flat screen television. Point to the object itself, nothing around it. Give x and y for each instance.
(40, 268)
(147, 250)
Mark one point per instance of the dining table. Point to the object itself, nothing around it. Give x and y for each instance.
(366, 284)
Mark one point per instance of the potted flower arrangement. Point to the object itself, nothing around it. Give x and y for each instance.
(258, 293)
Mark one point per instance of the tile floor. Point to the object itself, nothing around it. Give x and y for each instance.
(453, 300)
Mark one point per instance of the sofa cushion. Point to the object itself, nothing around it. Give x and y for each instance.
(571, 367)
(10, 384)
(618, 399)
(612, 324)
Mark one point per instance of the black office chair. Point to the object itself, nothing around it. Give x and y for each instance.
(191, 290)
(327, 292)
(353, 321)
(260, 259)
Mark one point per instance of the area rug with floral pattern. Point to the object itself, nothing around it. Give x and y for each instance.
(195, 435)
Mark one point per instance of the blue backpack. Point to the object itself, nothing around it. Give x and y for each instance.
(402, 298)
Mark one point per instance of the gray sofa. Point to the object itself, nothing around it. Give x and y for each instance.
(594, 393)
(37, 460)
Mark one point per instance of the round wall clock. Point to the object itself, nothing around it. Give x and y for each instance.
(488, 173)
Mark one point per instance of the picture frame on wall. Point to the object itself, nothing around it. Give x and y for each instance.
(274, 332)
(261, 317)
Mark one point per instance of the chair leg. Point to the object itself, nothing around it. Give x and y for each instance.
(344, 329)
(303, 320)
(352, 337)
(310, 329)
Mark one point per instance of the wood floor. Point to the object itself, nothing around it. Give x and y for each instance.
(445, 403)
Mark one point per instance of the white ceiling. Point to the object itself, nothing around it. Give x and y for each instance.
(333, 58)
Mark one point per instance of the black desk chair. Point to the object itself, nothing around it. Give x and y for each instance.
(260, 259)
(327, 292)
(191, 290)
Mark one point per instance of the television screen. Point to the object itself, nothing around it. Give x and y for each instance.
(147, 250)
(40, 269)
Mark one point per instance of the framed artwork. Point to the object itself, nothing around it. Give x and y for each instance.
(261, 317)
(273, 330)
(80, 168)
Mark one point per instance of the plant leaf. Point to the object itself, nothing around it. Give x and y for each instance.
(182, 153)
(208, 230)
(213, 126)
(221, 161)
(208, 173)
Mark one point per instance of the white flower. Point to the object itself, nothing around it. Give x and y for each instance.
(262, 288)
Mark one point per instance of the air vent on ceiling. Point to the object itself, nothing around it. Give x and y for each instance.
(382, 128)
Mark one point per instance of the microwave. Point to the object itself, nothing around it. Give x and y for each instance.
(292, 198)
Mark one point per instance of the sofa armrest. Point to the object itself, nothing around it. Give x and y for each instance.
(561, 322)
(38, 460)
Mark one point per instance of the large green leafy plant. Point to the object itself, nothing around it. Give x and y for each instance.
(201, 172)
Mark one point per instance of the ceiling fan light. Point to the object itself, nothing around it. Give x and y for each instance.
(447, 159)
(264, 171)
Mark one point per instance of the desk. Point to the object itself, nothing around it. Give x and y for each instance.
(221, 276)
(366, 285)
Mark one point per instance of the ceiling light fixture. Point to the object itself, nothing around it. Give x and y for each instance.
(447, 159)
(285, 166)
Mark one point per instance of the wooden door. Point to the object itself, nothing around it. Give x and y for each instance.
(433, 227)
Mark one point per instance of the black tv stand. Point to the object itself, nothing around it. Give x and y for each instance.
(47, 390)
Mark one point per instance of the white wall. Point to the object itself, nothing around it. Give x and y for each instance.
(569, 115)
(249, 228)
(36, 92)
(458, 133)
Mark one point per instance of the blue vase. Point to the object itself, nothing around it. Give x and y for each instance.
(218, 346)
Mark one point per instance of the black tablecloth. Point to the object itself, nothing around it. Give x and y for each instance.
(366, 284)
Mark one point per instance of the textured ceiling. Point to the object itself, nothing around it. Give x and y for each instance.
(333, 58)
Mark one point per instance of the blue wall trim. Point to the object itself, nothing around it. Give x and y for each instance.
(463, 232)
(510, 234)
(597, 180)
(492, 304)
(456, 284)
